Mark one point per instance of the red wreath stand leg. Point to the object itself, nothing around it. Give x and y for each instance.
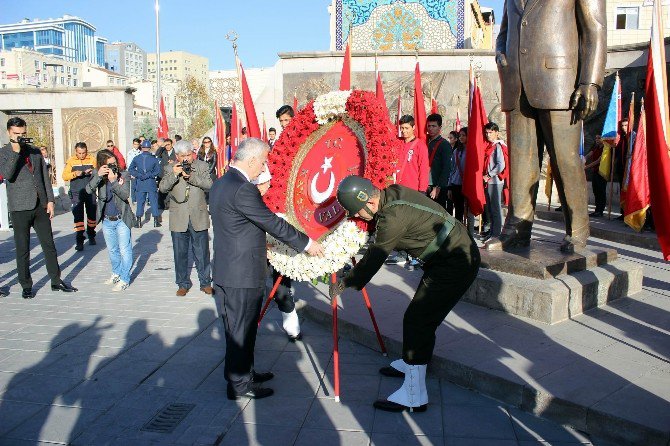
(336, 352)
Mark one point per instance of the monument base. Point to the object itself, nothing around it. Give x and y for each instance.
(543, 284)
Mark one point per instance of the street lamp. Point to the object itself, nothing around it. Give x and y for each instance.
(55, 65)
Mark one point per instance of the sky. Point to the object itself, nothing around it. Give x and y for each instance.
(264, 27)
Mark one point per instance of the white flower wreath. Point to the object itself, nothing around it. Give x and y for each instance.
(330, 105)
(339, 246)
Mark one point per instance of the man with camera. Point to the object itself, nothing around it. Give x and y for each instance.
(31, 203)
(185, 182)
(78, 170)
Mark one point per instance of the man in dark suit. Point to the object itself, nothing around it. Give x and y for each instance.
(549, 82)
(241, 220)
(31, 203)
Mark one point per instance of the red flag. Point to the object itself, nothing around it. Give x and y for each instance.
(162, 121)
(433, 106)
(380, 94)
(345, 77)
(220, 141)
(295, 102)
(234, 132)
(253, 130)
(399, 114)
(637, 195)
(265, 130)
(457, 124)
(656, 115)
(473, 182)
(419, 106)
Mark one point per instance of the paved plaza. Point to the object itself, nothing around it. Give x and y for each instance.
(97, 367)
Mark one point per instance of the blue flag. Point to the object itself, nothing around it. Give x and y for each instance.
(610, 129)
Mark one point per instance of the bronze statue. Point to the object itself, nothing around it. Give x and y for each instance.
(551, 60)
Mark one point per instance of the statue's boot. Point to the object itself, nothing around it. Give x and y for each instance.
(513, 236)
(576, 242)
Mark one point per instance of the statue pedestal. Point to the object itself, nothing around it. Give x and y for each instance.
(541, 283)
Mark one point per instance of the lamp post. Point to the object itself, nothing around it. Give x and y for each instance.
(158, 59)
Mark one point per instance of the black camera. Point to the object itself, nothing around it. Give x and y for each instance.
(114, 168)
(25, 141)
(186, 167)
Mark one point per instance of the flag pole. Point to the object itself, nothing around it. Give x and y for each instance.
(158, 58)
(609, 204)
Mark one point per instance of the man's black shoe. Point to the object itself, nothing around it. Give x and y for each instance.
(596, 214)
(261, 377)
(255, 392)
(64, 287)
(91, 241)
(138, 222)
(391, 372)
(79, 246)
(157, 224)
(295, 338)
(390, 406)
(27, 293)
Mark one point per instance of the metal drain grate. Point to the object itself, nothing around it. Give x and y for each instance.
(168, 418)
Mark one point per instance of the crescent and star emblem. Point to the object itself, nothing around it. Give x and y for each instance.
(317, 196)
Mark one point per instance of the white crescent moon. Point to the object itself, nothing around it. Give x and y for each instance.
(320, 197)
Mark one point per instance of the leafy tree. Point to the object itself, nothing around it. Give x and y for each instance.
(194, 104)
(148, 128)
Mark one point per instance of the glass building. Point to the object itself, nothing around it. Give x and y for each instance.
(68, 37)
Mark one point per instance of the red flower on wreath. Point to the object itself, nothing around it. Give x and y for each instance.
(382, 146)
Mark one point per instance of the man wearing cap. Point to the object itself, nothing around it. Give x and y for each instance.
(145, 169)
(408, 220)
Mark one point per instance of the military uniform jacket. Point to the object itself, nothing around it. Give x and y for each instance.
(191, 207)
(399, 227)
(24, 186)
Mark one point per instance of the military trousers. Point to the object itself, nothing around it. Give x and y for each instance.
(447, 276)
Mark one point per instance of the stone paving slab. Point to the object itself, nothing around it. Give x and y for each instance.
(94, 367)
(596, 371)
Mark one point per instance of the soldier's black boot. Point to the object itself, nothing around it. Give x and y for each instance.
(157, 223)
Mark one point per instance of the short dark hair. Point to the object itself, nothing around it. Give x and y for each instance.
(102, 157)
(109, 140)
(243, 131)
(407, 119)
(80, 145)
(16, 122)
(272, 129)
(454, 133)
(167, 140)
(492, 126)
(435, 117)
(136, 140)
(154, 141)
(285, 110)
(177, 137)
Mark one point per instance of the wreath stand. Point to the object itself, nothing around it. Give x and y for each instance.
(333, 302)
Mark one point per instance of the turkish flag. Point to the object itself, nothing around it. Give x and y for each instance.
(345, 77)
(656, 114)
(637, 194)
(419, 106)
(162, 131)
(220, 137)
(473, 182)
(234, 132)
(253, 129)
(433, 106)
(380, 95)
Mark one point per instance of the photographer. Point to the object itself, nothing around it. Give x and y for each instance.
(78, 170)
(185, 182)
(31, 204)
(111, 187)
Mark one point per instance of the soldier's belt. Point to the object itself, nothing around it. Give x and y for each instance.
(434, 245)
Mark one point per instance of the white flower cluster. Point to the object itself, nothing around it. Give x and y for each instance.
(330, 105)
(339, 246)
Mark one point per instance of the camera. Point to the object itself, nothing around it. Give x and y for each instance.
(186, 167)
(114, 168)
(25, 141)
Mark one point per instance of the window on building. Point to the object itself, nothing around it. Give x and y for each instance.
(62, 80)
(74, 82)
(627, 18)
(62, 69)
(2, 62)
(68, 82)
(45, 78)
(68, 70)
(74, 71)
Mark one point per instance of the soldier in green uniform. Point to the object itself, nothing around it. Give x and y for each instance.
(410, 221)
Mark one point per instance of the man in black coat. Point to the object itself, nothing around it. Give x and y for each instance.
(241, 220)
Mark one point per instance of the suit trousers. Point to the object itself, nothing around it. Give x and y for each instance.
(39, 220)
(239, 309)
(599, 185)
(283, 296)
(530, 129)
(447, 276)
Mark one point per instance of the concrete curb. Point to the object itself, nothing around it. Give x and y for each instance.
(523, 396)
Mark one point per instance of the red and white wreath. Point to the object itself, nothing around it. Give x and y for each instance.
(340, 133)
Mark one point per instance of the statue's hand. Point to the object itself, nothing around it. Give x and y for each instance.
(584, 100)
(501, 60)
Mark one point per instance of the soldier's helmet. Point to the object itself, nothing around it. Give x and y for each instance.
(354, 192)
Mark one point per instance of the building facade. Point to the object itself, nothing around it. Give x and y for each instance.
(126, 58)
(177, 65)
(69, 38)
(629, 21)
(95, 76)
(23, 68)
(409, 25)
